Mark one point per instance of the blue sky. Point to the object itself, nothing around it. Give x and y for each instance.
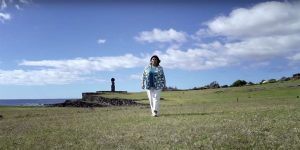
(52, 49)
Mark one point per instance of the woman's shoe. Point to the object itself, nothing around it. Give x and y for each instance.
(155, 114)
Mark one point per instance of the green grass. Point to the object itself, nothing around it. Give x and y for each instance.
(265, 117)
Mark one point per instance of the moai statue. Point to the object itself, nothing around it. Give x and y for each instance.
(112, 84)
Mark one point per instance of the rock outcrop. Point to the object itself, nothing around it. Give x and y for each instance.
(95, 101)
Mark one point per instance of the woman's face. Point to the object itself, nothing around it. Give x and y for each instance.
(154, 61)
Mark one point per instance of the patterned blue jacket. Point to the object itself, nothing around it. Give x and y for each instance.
(158, 78)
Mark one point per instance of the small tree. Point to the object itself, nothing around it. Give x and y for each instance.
(195, 88)
(239, 83)
(214, 85)
(284, 79)
(171, 88)
(224, 86)
(250, 83)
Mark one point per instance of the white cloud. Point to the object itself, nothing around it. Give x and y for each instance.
(264, 19)
(79, 69)
(252, 36)
(37, 77)
(101, 41)
(247, 36)
(67, 71)
(211, 46)
(3, 5)
(18, 7)
(6, 4)
(136, 76)
(4, 17)
(158, 35)
(25, 1)
(263, 32)
(192, 59)
(264, 47)
(255, 65)
(295, 57)
(90, 64)
(294, 60)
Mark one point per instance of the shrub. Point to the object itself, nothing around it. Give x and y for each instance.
(214, 85)
(171, 88)
(224, 86)
(272, 81)
(250, 83)
(239, 83)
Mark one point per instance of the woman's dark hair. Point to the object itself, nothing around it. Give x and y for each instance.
(155, 56)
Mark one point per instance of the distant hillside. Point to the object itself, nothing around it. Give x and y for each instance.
(238, 83)
(278, 90)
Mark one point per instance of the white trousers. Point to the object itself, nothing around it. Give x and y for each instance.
(154, 98)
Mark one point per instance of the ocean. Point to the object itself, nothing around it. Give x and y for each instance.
(29, 102)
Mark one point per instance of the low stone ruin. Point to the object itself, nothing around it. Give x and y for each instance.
(96, 101)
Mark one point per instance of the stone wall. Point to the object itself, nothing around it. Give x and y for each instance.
(88, 96)
(122, 92)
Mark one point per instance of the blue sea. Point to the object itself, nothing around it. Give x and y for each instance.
(29, 102)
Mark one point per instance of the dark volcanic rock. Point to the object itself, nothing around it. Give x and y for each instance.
(95, 101)
(113, 101)
(75, 103)
(1, 117)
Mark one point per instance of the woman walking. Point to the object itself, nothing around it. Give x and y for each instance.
(154, 78)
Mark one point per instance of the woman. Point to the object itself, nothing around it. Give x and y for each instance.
(154, 78)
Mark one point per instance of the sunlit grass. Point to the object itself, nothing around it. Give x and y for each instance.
(264, 117)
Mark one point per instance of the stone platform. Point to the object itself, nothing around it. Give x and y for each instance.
(88, 96)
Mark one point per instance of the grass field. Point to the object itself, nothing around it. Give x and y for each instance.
(251, 117)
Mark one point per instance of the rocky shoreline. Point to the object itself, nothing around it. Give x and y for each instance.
(96, 101)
